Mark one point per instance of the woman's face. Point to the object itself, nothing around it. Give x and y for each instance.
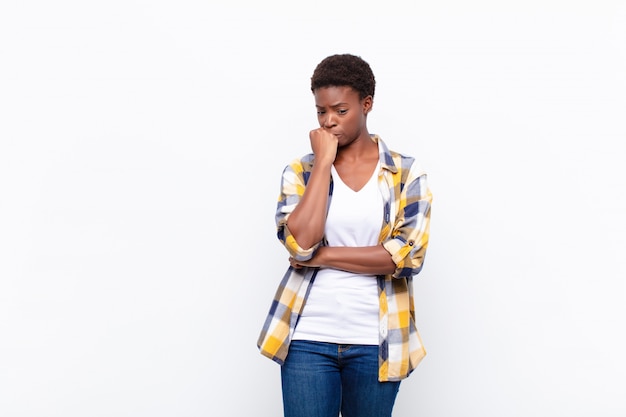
(342, 113)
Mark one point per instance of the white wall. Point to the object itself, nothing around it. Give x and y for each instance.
(141, 149)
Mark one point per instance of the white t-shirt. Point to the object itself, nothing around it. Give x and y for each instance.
(342, 307)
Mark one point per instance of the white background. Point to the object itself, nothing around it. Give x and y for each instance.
(141, 149)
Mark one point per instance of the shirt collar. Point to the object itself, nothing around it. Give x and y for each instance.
(386, 159)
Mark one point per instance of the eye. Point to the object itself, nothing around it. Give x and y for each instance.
(320, 112)
(342, 111)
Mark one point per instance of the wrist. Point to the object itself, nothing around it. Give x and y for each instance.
(323, 163)
(321, 256)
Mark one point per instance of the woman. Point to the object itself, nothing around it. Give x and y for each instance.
(354, 218)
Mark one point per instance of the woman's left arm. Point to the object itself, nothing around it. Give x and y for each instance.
(411, 229)
(371, 260)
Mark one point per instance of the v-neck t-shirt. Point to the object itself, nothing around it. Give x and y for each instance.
(343, 307)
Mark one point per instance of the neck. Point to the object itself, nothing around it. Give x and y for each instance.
(362, 148)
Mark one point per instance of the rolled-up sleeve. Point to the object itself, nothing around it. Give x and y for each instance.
(409, 235)
(293, 184)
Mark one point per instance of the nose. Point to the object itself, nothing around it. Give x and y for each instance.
(328, 120)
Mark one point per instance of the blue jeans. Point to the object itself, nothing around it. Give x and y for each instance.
(320, 379)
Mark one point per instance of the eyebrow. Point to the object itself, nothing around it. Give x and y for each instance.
(332, 105)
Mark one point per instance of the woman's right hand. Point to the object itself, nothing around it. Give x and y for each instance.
(324, 145)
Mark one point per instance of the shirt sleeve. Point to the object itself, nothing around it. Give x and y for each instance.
(293, 184)
(410, 232)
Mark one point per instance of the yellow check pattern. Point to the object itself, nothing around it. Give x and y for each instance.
(404, 234)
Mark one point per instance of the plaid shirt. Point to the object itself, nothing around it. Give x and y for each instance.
(404, 234)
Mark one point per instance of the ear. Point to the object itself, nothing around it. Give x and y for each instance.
(367, 103)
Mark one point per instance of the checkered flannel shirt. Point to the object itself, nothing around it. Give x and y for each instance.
(404, 234)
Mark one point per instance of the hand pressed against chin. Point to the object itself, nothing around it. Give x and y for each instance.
(324, 144)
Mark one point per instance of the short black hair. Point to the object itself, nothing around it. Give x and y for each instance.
(344, 70)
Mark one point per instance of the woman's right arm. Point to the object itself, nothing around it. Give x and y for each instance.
(304, 222)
